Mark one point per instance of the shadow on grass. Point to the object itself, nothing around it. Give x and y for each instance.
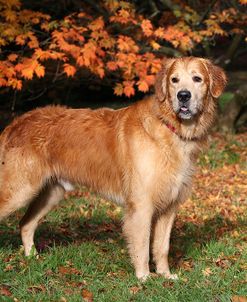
(189, 235)
(74, 231)
(77, 231)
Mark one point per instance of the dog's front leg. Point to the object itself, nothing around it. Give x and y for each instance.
(137, 226)
(161, 242)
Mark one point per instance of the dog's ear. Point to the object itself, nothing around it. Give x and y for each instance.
(160, 82)
(217, 78)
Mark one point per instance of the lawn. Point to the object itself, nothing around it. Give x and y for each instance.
(83, 254)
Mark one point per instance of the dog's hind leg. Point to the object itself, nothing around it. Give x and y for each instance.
(22, 176)
(14, 198)
(48, 198)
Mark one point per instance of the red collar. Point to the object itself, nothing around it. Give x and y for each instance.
(172, 128)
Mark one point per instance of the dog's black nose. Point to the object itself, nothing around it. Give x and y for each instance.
(184, 96)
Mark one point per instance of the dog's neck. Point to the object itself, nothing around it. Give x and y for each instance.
(184, 138)
(186, 131)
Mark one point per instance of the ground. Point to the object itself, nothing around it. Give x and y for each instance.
(83, 255)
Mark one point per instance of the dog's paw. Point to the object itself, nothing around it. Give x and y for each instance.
(168, 275)
(171, 276)
(142, 277)
(32, 252)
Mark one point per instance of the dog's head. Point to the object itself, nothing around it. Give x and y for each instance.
(187, 83)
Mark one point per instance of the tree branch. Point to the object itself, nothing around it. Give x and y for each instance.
(207, 11)
(164, 50)
(170, 4)
(97, 8)
(232, 49)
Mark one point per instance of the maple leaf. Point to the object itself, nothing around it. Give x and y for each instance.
(80, 61)
(155, 45)
(14, 83)
(147, 27)
(33, 43)
(159, 32)
(127, 44)
(3, 82)
(10, 15)
(118, 89)
(12, 57)
(150, 79)
(155, 66)
(143, 85)
(39, 70)
(26, 68)
(27, 73)
(13, 3)
(98, 69)
(111, 65)
(69, 70)
(123, 16)
(97, 24)
(128, 88)
(43, 55)
(20, 40)
(89, 53)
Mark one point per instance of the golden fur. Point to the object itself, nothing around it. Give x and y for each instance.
(141, 156)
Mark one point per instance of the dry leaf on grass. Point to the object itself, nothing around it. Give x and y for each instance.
(4, 291)
(135, 289)
(87, 295)
(207, 271)
(239, 299)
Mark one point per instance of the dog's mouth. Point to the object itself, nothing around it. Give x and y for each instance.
(185, 113)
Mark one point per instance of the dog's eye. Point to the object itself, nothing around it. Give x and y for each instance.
(175, 80)
(197, 79)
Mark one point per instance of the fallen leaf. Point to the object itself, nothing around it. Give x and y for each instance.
(5, 291)
(68, 270)
(239, 299)
(134, 289)
(8, 268)
(207, 271)
(168, 284)
(36, 289)
(186, 265)
(87, 295)
(223, 263)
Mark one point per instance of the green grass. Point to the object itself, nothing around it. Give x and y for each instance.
(79, 253)
(217, 157)
(224, 99)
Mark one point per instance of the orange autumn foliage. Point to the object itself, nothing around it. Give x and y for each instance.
(125, 46)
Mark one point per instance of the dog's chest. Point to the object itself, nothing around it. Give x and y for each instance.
(177, 178)
(167, 173)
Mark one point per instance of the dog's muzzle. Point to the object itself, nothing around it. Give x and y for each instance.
(184, 111)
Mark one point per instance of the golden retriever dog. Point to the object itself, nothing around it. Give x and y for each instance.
(141, 156)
